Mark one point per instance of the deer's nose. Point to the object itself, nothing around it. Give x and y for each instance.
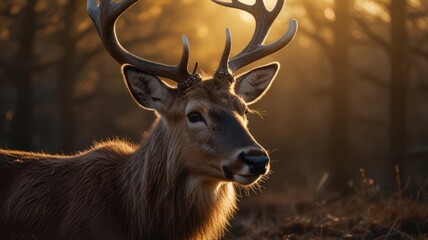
(256, 159)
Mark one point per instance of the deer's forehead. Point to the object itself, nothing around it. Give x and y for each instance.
(216, 99)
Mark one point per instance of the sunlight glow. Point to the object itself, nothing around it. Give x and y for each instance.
(329, 14)
(245, 16)
(83, 26)
(368, 7)
(187, 2)
(327, 33)
(4, 34)
(15, 9)
(414, 3)
(41, 6)
(202, 31)
(299, 11)
(304, 42)
(372, 9)
(154, 12)
(422, 24)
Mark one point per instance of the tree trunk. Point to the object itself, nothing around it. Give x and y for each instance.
(398, 87)
(66, 75)
(339, 164)
(23, 116)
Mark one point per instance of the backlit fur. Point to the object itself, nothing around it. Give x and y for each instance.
(171, 186)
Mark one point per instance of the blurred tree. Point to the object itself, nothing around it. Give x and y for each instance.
(31, 24)
(398, 47)
(62, 33)
(18, 71)
(331, 30)
(25, 24)
(399, 74)
(66, 74)
(74, 36)
(339, 139)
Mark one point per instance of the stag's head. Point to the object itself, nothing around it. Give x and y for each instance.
(206, 118)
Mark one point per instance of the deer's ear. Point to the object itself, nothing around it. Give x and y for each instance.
(252, 85)
(146, 89)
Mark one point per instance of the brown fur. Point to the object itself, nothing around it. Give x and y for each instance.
(109, 192)
(117, 190)
(172, 186)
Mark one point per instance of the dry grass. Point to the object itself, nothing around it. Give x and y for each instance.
(364, 214)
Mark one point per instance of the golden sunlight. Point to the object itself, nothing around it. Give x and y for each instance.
(245, 16)
(187, 2)
(329, 14)
(298, 11)
(154, 12)
(304, 42)
(422, 24)
(202, 31)
(372, 9)
(82, 26)
(414, 3)
(368, 7)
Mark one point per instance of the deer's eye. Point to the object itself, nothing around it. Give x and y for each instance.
(195, 117)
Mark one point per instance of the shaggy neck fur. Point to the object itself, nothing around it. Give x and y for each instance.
(167, 202)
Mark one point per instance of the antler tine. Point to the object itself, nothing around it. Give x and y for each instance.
(255, 49)
(223, 71)
(246, 57)
(105, 14)
(223, 66)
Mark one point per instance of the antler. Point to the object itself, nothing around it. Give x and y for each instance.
(255, 49)
(105, 14)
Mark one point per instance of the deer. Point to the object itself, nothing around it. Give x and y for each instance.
(179, 182)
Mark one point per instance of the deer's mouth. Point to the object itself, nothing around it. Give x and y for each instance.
(242, 179)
